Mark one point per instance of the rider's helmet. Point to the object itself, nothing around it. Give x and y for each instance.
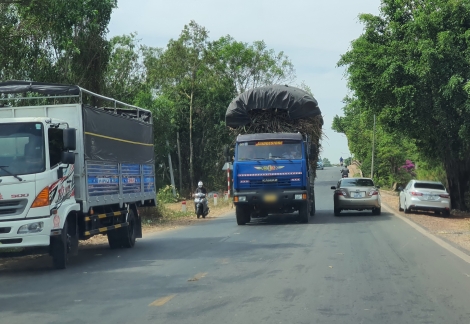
(199, 184)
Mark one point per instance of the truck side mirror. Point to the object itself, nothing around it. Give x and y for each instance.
(68, 158)
(70, 141)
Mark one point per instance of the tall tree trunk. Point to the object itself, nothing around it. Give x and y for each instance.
(191, 169)
(179, 162)
(458, 180)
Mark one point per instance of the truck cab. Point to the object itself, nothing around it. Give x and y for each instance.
(271, 174)
(36, 177)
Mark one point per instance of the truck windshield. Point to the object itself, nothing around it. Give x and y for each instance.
(266, 150)
(22, 148)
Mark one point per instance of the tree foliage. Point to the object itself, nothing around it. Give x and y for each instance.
(55, 41)
(410, 67)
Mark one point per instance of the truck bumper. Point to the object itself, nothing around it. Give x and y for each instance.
(9, 237)
(271, 200)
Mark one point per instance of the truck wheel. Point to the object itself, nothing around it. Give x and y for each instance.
(59, 248)
(303, 213)
(242, 215)
(312, 207)
(124, 237)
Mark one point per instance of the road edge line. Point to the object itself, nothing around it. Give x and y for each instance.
(462, 255)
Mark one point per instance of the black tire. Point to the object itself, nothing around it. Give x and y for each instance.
(241, 214)
(59, 249)
(407, 210)
(124, 237)
(399, 205)
(312, 206)
(337, 211)
(376, 211)
(199, 212)
(303, 213)
(446, 213)
(437, 212)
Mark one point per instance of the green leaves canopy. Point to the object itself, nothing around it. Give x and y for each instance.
(410, 67)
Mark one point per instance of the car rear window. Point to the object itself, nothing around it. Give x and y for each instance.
(435, 186)
(357, 183)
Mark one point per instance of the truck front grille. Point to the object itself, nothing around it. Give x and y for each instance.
(274, 184)
(12, 207)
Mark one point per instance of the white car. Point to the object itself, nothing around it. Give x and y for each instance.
(424, 195)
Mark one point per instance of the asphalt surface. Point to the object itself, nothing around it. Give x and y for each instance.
(356, 268)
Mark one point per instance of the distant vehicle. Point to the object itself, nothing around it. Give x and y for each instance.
(356, 194)
(320, 165)
(424, 195)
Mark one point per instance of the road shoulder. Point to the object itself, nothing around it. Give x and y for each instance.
(452, 233)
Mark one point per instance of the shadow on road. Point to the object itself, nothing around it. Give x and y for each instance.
(327, 217)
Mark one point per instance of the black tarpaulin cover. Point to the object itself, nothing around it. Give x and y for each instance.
(297, 102)
(38, 87)
(114, 138)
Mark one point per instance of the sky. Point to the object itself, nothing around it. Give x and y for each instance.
(312, 33)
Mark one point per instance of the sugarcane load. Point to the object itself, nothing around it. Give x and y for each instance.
(278, 130)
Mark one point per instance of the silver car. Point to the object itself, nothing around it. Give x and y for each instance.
(356, 194)
(424, 195)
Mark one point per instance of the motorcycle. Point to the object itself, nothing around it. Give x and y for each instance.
(343, 175)
(201, 206)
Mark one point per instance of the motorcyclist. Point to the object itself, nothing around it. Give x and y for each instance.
(201, 189)
(341, 160)
(345, 172)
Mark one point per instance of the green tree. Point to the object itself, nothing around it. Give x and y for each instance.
(180, 69)
(56, 41)
(250, 65)
(125, 74)
(410, 66)
(326, 162)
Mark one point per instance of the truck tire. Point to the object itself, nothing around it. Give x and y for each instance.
(303, 213)
(124, 237)
(59, 248)
(242, 214)
(312, 207)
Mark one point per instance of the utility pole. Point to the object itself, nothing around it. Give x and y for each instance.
(373, 152)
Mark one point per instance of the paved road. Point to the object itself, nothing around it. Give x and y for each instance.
(356, 268)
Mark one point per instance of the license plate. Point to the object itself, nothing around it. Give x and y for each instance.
(430, 197)
(270, 198)
(358, 195)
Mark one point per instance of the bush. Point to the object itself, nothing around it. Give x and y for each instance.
(165, 195)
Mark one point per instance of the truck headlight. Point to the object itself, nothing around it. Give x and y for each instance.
(35, 227)
(241, 198)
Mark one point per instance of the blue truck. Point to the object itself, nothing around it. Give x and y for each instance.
(273, 172)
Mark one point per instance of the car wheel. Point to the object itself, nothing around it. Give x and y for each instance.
(399, 205)
(337, 211)
(407, 210)
(376, 211)
(437, 212)
(446, 213)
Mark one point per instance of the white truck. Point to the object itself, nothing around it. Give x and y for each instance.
(70, 170)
